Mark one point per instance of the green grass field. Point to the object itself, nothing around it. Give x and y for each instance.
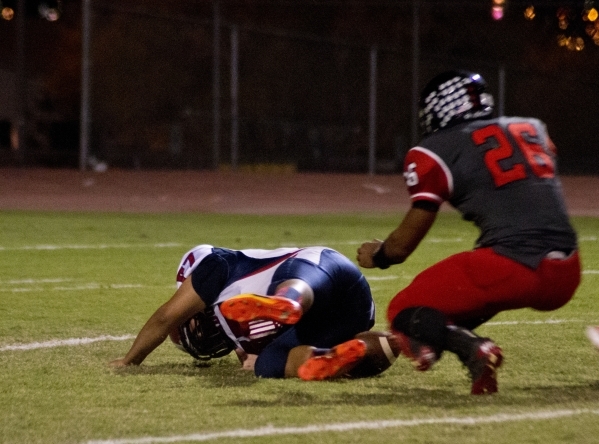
(98, 277)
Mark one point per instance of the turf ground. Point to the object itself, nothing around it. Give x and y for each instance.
(76, 287)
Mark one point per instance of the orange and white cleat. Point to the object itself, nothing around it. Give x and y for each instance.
(247, 307)
(335, 363)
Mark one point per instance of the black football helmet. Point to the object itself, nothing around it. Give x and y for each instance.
(202, 337)
(451, 98)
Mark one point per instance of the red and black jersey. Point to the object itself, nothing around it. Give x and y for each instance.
(501, 175)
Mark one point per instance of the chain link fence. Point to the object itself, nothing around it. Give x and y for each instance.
(320, 87)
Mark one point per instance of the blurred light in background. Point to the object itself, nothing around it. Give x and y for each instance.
(8, 13)
(529, 13)
(562, 40)
(591, 15)
(563, 18)
(50, 10)
(592, 30)
(569, 21)
(497, 9)
(577, 44)
(570, 43)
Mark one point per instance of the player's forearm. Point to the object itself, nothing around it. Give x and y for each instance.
(402, 241)
(397, 247)
(153, 333)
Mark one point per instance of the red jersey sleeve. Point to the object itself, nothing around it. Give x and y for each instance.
(427, 176)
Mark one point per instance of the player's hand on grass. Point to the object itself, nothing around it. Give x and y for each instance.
(118, 363)
(248, 361)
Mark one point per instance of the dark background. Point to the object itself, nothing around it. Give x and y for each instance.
(303, 79)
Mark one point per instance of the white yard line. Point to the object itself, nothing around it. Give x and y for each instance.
(63, 342)
(333, 244)
(382, 278)
(548, 321)
(31, 281)
(81, 287)
(90, 247)
(178, 245)
(351, 426)
(83, 341)
(28, 285)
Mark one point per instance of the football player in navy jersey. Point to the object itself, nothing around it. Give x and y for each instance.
(289, 312)
(499, 173)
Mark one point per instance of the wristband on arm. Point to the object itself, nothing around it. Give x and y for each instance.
(380, 259)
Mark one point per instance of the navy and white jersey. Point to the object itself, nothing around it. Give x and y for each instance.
(501, 175)
(219, 274)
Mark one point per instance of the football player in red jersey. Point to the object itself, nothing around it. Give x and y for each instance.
(499, 173)
(289, 312)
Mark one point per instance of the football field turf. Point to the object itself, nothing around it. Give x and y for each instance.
(75, 289)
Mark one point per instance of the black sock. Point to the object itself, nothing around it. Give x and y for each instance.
(462, 342)
(423, 324)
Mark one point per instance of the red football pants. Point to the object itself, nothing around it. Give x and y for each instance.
(481, 283)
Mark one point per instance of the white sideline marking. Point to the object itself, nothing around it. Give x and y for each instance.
(90, 247)
(177, 245)
(94, 286)
(381, 278)
(548, 321)
(35, 281)
(87, 286)
(438, 240)
(82, 341)
(349, 426)
(62, 342)
(435, 240)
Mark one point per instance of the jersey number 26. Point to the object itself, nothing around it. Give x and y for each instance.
(540, 163)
